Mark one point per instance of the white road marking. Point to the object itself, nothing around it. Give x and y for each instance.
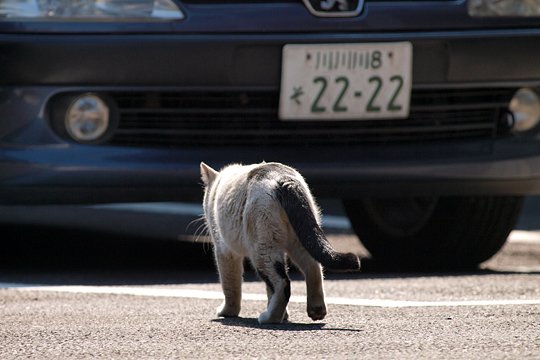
(216, 295)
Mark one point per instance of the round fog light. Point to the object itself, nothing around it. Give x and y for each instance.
(87, 118)
(525, 106)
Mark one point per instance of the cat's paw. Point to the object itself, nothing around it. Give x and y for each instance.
(267, 318)
(317, 312)
(225, 310)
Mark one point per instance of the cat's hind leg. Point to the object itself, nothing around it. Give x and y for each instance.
(273, 271)
(231, 269)
(316, 307)
(269, 294)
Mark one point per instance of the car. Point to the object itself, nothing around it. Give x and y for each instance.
(423, 116)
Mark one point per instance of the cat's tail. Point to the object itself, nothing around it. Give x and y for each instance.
(294, 200)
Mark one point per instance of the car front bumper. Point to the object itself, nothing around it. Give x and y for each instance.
(38, 166)
(88, 174)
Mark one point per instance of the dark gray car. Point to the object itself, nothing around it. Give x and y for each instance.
(421, 115)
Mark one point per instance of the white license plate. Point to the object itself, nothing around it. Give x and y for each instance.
(346, 81)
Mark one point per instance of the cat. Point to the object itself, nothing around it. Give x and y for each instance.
(266, 212)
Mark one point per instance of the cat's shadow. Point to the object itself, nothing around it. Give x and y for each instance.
(288, 326)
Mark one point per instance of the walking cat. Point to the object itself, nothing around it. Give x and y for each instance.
(265, 212)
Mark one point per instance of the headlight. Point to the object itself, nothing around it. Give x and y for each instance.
(90, 10)
(504, 8)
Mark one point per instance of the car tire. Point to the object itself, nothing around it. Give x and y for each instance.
(446, 233)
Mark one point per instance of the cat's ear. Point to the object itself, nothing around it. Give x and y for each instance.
(208, 174)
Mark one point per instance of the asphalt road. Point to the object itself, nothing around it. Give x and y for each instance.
(74, 296)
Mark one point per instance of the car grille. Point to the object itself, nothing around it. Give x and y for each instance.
(236, 117)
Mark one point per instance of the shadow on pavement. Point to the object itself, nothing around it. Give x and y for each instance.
(73, 257)
(62, 256)
(289, 326)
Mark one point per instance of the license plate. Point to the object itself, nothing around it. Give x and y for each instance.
(346, 81)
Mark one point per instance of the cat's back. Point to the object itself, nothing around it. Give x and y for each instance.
(270, 172)
(255, 175)
(234, 186)
(262, 186)
(253, 184)
(234, 178)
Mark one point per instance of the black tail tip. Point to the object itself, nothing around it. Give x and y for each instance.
(354, 261)
(346, 262)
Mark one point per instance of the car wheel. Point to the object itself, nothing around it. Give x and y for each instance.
(446, 233)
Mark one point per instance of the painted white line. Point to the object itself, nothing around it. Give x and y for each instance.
(216, 295)
(410, 303)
